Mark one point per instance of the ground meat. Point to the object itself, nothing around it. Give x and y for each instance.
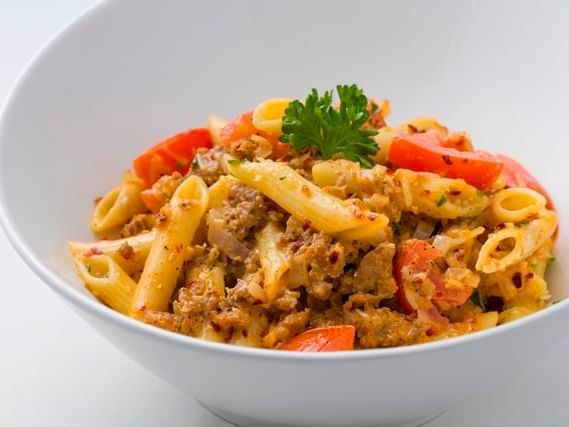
(169, 321)
(288, 301)
(382, 327)
(197, 298)
(289, 326)
(138, 224)
(126, 250)
(234, 318)
(209, 164)
(374, 273)
(244, 209)
(251, 148)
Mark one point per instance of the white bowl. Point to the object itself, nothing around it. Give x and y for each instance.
(130, 72)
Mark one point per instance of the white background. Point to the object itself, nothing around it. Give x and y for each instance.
(56, 371)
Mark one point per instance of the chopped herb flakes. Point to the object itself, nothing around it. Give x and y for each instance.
(442, 200)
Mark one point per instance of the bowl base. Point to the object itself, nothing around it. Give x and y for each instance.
(242, 421)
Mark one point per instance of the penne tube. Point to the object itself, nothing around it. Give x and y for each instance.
(302, 199)
(214, 125)
(274, 260)
(106, 280)
(178, 222)
(516, 205)
(119, 205)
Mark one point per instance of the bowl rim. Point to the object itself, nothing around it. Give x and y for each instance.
(104, 313)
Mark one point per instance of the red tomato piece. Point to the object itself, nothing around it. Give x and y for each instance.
(415, 255)
(173, 154)
(239, 128)
(242, 127)
(327, 338)
(518, 176)
(424, 152)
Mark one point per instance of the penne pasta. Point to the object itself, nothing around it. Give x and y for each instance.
(119, 205)
(444, 198)
(106, 280)
(304, 200)
(214, 125)
(267, 117)
(274, 260)
(179, 221)
(516, 205)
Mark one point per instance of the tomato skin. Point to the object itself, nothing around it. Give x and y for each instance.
(238, 128)
(416, 255)
(172, 154)
(242, 127)
(425, 152)
(327, 338)
(517, 175)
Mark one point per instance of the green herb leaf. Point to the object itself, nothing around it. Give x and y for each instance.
(477, 300)
(480, 193)
(282, 178)
(442, 200)
(334, 132)
(180, 165)
(235, 162)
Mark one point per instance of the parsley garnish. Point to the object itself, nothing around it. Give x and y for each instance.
(480, 193)
(442, 200)
(282, 178)
(476, 299)
(334, 132)
(236, 162)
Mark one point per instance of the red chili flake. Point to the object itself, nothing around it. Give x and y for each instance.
(93, 251)
(464, 160)
(427, 191)
(306, 225)
(517, 280)
(244, 333)
(455, 192)
(333, 258)
(446, 159)
(96, 200)
(529, 275)
(216, 327)
(389, 171)
(500, 226)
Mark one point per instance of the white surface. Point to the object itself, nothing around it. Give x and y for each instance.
(54, 370)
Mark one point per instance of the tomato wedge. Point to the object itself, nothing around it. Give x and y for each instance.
(242, 127)
(425, 152)
(327, 338)
(518, 176)
(416, 255)
(173, 154)
(239, 128)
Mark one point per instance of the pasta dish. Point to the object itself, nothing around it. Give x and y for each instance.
(314, 225)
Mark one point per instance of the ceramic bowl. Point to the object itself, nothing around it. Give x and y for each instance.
(126, 73)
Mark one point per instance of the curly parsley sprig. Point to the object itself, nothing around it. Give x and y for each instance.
(334, 132)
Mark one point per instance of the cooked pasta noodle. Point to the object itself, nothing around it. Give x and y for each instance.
(179, 221)
(106, 280)
(118, 205)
